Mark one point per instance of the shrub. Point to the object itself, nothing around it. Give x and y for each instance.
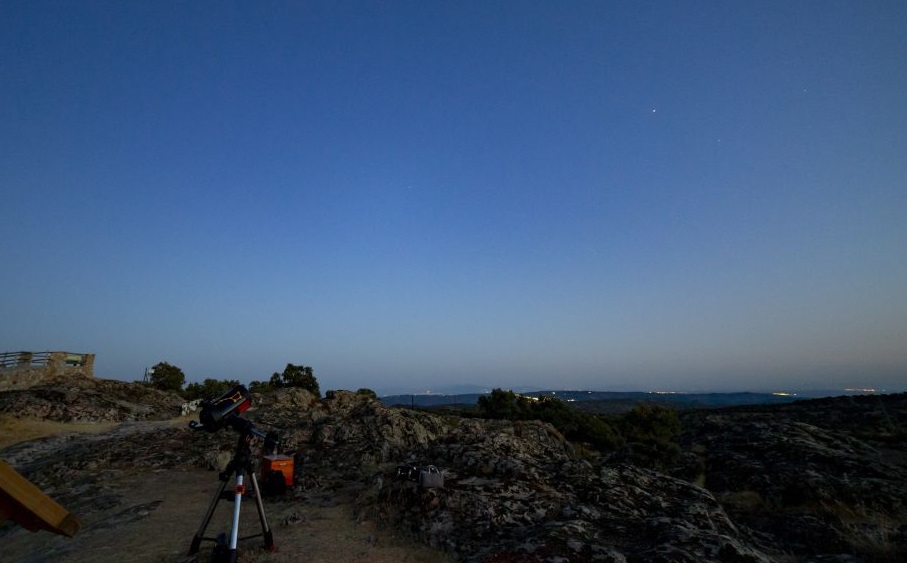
(572, 424)
(367, 392)
(650, 431)
(506, 405)
(208, 388)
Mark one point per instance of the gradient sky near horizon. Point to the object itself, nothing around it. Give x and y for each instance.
(411, 195)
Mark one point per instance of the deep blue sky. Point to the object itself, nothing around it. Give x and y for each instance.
(407, 195)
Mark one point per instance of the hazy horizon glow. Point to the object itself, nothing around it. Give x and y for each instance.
(406, 195)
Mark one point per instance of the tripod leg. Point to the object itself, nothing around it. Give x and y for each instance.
(265, 529)
(197, 540)
(237, 499)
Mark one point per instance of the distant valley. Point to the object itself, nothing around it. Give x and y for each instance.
(617, 401)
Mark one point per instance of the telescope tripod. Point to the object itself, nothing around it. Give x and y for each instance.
(240, 465)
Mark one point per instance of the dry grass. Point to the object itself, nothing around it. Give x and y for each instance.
(15, 430)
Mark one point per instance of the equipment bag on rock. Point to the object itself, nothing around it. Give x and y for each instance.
(430, 477)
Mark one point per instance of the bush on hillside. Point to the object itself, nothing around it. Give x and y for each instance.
(574, 425)
(650, 432)
(208, 388)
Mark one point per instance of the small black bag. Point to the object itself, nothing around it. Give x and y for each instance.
(408, 472)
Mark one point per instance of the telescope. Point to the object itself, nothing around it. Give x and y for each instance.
(223, 412)
(216, 413)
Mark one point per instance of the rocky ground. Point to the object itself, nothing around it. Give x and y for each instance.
(821, 478)
(754, 485)
(141, 490)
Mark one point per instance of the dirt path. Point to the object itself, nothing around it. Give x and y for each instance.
(15, 430)
(152, 516)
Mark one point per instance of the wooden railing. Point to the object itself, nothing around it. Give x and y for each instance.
(9, 360)
(22, 359)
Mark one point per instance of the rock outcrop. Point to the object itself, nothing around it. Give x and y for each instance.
(515, 494)
(87, 399)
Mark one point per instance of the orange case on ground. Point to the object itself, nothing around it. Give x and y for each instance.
(282, 463)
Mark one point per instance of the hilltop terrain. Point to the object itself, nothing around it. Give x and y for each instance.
(807, 481)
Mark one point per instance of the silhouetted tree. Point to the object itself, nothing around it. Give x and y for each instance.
(167, 377)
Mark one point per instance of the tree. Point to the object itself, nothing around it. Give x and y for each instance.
(293, 376)
(167, 377)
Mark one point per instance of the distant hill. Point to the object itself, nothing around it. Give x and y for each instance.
(604, 401)
(431, 400)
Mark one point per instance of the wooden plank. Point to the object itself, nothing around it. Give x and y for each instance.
(28, 506)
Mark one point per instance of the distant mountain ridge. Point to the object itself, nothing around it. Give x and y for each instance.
(588, 398)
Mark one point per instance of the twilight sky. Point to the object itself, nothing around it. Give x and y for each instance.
(409, 195)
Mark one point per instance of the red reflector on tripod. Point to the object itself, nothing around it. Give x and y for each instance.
(239, 490)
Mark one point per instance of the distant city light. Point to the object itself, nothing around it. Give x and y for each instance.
(784, 394)
(860, 390)
(664, 392)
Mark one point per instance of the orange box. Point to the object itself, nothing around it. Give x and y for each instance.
(282, 463)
